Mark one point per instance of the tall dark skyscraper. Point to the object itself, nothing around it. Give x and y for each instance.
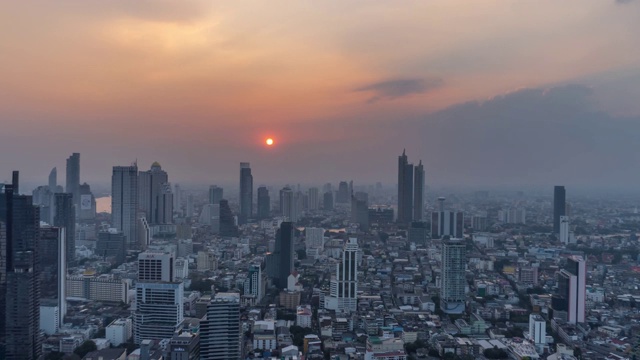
(327, 202)
(215, 194)
(264, 203)
(73, 177)
(246, 192)
(228, 226)
(418, 192)
(64, 216)
(343, 195)
(405, 190)
(559, 206)
(410, 191)
(19, 276)
(152, 190)
(124, 203)
(280, 262)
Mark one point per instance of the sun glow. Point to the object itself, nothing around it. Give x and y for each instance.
(269, 141)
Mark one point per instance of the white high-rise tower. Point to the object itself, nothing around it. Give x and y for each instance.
(452, 289)
(344, 285)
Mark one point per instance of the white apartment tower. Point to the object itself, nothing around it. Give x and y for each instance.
(452, 289)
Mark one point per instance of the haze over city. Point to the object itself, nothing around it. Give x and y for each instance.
(485, 93)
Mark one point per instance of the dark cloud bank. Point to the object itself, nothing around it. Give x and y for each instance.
(531, 137)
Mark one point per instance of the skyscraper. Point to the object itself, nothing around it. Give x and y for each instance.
(215, 194)
(289, 205)
(572, 289)
(53, 262)
(152, 187)
(159, 298)
(314, 198)
(254, 285)
(87, 209)
(453, 281)
(221, 334)
(446, 223)
(111, 245)
(228, 226)
(360, 210)
(405, 190)
(177, 198)
(264, 203)
(280, 262)
(73, 177)
(344, 284)
(343, 195)
(246, 192)
(53, 180)
(65, 217)
(124, 202)
(19, 276)
(164, 206)
(418, 192)
(327, 203)
(559, 206)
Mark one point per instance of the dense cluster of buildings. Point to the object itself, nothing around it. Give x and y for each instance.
(352, 272)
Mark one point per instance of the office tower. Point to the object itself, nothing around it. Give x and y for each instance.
(314, 198)
(103, 288)
(53, 262)
(190, 205)
(446, 223)
(314, 238)
(513, 215)
(124, 202)
(343, 193)
(111, 244)
(538, 331)
(164, 206)
(246, 192)
(453, 281)
(221, 334)
(564, 229)
(418, 192)
(327, 203)
(360, 210)
(264, 203)
(65, 217)
(479, 223)
(87, 209)
(152, 190)
(380, 215)
(228, 223)
(559, 206)
(289, 204)
(73, 177)
(280, 262)
(344, 284)
(418, 233)
(215, 194)
(144, 233)
(405, 190)
(19, 276)
(159, 298)
(155, 266)
(572, 289)
(254, 285)
(327, 188)
(53, 180)
(177, 199)
(184, 345)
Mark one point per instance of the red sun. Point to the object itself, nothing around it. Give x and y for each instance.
(269, 142)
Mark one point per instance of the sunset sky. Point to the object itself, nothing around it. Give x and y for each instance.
(484, 92)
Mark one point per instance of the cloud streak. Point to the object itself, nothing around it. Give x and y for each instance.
(397, 88)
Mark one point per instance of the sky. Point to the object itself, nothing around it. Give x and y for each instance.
(531, 92)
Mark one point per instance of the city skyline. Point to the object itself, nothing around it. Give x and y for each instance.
(207, 104)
